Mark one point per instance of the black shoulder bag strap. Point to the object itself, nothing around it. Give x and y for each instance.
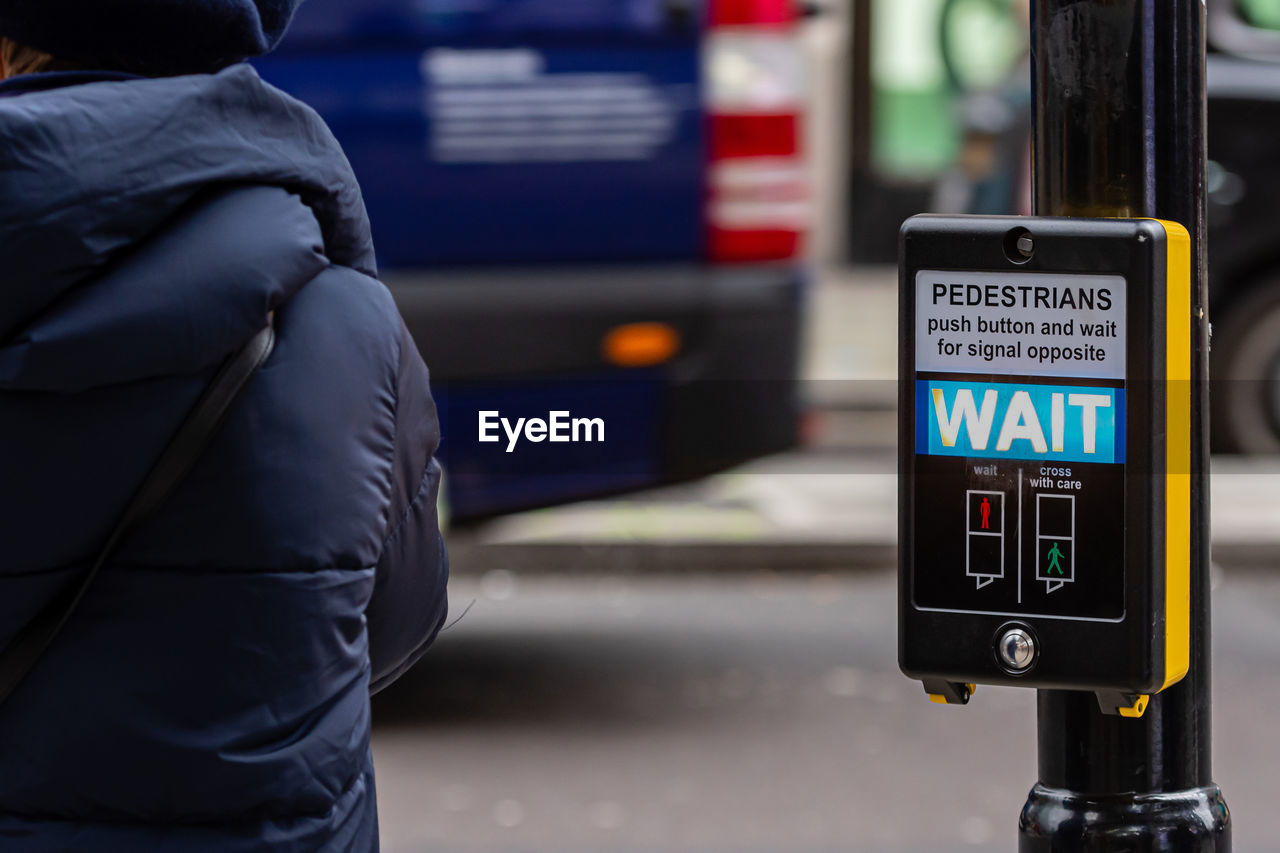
(175, 461)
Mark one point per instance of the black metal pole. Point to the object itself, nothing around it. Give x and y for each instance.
(1119, 130)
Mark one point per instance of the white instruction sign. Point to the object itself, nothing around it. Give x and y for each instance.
(1032, 324)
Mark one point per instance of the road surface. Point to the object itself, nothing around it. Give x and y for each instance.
(742, 712)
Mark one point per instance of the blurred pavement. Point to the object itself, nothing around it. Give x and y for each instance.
(830, 505)
(746, 712)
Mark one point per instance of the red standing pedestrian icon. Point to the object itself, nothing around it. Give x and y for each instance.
(985, 509)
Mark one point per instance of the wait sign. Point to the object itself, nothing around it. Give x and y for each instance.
(1045, 455)
(1008, 421)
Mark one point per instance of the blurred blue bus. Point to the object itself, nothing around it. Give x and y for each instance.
(590, 206)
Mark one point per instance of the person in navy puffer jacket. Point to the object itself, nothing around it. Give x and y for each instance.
(159, 205)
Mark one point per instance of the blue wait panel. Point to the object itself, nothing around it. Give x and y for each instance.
(1009, 420)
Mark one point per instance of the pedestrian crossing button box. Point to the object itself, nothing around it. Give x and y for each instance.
(1044, 455)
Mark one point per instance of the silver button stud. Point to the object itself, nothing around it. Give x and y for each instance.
(1016, 649)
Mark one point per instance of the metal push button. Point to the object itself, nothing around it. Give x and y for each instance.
(1016, 649)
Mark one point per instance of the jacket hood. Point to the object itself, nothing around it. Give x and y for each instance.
(166, 36)
(147, 226)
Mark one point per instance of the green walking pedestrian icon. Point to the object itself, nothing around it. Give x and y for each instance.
(1056, 540)
(1055, 557)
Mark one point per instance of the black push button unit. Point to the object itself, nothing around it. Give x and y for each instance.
(1044, 453)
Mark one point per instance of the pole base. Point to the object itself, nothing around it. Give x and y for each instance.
(1060, 821)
